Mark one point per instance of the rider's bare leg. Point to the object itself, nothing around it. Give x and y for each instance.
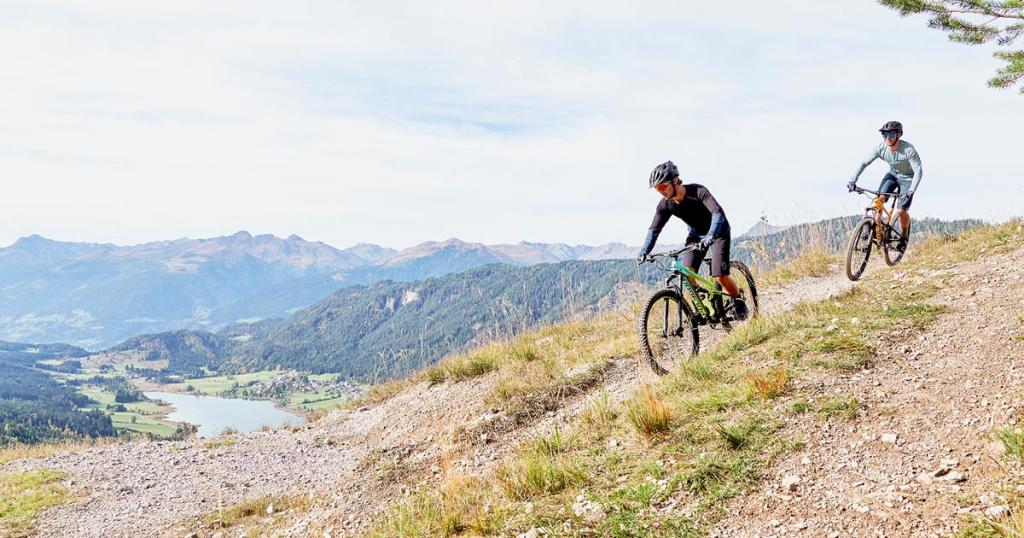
(904, 219)
(728, 285)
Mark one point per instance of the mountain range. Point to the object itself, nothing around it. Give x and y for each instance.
(95, 295)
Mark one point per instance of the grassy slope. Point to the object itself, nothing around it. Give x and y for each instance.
(661, 463)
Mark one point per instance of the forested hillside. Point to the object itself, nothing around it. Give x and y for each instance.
(34, 407)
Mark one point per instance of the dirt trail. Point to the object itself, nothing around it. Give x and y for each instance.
(357, 460)
(921, 457)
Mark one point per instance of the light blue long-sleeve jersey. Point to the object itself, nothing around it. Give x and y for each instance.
(905, 164)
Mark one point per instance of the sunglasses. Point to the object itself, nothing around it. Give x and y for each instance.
(889, 134)
(662, 187)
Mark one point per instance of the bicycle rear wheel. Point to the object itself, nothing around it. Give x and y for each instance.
(744, 280)
(859, 251)
(668, 335)
(893, 234)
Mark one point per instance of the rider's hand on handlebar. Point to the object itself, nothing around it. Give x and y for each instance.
(906, 198)
(706, 241)
(642, 258)
(851, 186)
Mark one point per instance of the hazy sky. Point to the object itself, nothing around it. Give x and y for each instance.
(397, 123)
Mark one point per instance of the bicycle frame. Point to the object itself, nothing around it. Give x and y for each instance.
(688, 276)
(883, 215)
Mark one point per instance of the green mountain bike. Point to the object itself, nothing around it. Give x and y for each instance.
(671, 317)
(880, 228)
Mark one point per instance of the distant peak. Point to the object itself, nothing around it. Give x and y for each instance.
(294, 237)
(241, 234)
(34, 239)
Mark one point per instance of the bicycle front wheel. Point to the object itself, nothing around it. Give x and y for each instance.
(668, 335)
(893, 235)
(860, 248)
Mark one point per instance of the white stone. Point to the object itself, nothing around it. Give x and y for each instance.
(996, 511)
(790, 482)
(889, 438)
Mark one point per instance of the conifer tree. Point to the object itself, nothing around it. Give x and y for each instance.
(975, 22)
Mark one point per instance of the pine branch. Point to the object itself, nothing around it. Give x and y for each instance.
(957, 18)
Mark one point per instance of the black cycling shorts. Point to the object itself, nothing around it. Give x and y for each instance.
(719, 257)
(891, 186)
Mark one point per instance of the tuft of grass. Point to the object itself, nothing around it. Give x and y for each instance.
(254, 509)
(1013, 442)
(537, 473)
(649, 413)
(23, 495)
(799, 405)
(769, 384)
(523, 351)
(1008, 526)
(473, 365)
(222, 442)
(599, 413)
(845, 407)
(435, 376)
(462, 506)
(554, 443)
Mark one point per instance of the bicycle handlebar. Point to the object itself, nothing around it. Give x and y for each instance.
(677, 252)
(862, 190)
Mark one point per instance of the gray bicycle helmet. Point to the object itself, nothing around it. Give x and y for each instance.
(893, 126)
(663, 173)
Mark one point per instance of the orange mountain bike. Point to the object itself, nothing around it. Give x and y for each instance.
(881, 228)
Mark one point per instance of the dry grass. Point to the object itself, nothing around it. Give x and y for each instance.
(769, 384)
(42, 450)
(462, 505)
(599, 413)
(256, 509)
(813, 262)
(649, 413)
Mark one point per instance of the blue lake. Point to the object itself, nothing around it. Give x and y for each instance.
(212, 414)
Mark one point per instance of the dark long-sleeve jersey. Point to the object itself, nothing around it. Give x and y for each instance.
(697, 210)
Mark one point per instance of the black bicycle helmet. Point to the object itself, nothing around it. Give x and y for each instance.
(893, 126)
(663, 173)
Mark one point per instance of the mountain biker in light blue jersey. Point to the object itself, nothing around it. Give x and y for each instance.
(905, 171)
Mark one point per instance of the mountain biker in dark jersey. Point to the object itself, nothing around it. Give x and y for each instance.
(709, 228)
(905, 172)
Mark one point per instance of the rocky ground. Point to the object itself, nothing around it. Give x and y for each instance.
(899, 472)
(919, 459)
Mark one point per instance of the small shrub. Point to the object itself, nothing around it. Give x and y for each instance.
(649, 413)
